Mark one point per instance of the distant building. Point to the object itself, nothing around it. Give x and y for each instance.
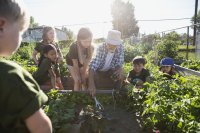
(35, 34)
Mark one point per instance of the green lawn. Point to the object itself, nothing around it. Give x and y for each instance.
(184, 47)
(191, 55)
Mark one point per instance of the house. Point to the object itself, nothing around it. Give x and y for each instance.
(35, 34)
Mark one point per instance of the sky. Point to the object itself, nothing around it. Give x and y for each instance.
(96, 14)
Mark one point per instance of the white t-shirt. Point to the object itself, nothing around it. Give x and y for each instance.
(109, 58)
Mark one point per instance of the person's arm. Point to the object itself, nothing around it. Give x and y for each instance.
(59, 83)
(34, 56)
(76, 69)
(39, 123)
(60, 55)
(147, 75)
(121, 56)
(92, 87)
(87, 62)
(128, 79)
(53, 78)
(118, 72)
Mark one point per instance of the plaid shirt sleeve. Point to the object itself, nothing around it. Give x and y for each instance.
(118, 59)
(121, 55)
(96, 61)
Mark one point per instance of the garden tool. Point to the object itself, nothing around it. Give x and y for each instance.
(98, 104)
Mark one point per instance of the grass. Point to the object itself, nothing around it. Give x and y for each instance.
(191, 55)
(184, 47)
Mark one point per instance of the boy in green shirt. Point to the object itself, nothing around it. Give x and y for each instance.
(20, 96)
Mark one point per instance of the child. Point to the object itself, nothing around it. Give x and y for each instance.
(48, 37)
(167, 67)
(137, 76)
(79, 57)
(20, 96)
(46, 73)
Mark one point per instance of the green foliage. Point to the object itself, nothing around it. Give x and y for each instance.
(192, 64)
(168, 105)
(168, 46)
(33, 24)
(130, 52)
(23, 57)
(197, 20)
(63, 109)
(24, 52)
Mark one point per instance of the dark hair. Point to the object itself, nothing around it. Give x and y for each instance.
(45, 50)
(48, 47)
(84, 33)
(139, 60)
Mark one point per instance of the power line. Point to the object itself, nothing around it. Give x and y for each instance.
(168, 19)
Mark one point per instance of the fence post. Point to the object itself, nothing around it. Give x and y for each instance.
(188, 37)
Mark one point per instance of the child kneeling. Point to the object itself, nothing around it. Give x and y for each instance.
(47, 74)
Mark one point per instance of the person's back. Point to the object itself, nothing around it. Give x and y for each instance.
(17, 97)
(20, 96)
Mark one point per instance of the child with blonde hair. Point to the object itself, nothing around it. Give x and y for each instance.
(79, 57)
(20, 96)
(48, 37)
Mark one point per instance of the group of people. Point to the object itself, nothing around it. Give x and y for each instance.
(82, 62)
(21, 98)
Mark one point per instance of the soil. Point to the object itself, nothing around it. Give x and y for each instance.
(113, 121)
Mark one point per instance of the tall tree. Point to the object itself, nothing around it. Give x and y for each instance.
(69, 33)
(124, 18)
(198, 20)
(33, 23)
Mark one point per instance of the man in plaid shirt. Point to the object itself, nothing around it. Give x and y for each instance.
(109, 59)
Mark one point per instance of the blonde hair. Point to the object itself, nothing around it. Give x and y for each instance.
(14, 11)
(84, 33)
(44, 34)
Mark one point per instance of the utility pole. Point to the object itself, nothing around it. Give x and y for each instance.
(195, 21)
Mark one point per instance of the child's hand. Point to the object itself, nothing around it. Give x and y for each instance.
(59, 83)
(126, 82)
(139, 83)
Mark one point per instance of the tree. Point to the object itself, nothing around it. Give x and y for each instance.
(33, 23)
(70, 35)
(168, 46)
(124, 18)
(198, 20)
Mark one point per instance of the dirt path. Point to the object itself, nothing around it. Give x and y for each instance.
(114, 121)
